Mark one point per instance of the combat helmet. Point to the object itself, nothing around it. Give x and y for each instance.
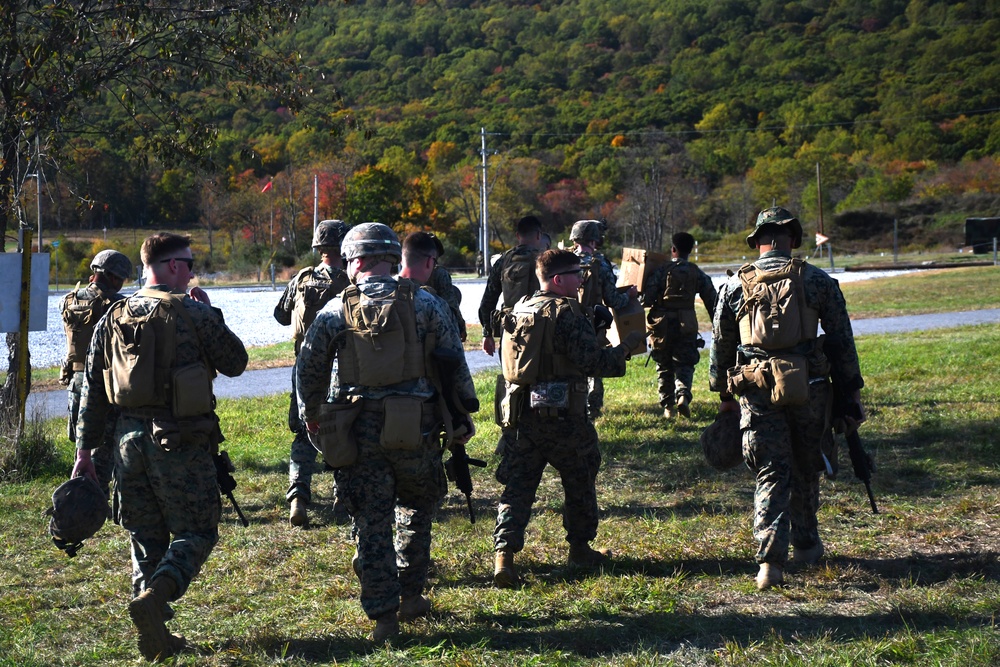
(329, 233)
(371, 238)
(79, 509)
(777, 216)
(722, 441)
(113, 262)
(587, 230)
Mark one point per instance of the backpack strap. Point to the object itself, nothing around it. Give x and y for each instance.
(177, 303)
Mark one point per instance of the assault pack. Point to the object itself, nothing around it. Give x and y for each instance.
(681, 285)
(526, 348)
(81, 309)
(774, 315)
(676, 304)
(589, 293)
(382, 344)
(517, 276)
(312, 292)
(139, 369)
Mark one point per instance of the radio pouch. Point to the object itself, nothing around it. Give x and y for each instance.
(401, 426)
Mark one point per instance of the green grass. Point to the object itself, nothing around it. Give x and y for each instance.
(933, 291)
(917, 584)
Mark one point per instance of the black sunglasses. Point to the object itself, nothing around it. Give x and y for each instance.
(563, 273)
(186, 260)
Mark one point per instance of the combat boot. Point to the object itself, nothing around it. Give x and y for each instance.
(769, 575)
(386, 627)
(504, 572)
(668, 412)
(413, 607)
(146, 612)
(356, 564)
(581, 554)
(298, 515)
(808, 556)
(684, 406)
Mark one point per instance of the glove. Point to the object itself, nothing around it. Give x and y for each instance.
(602, 317)
(633, 339)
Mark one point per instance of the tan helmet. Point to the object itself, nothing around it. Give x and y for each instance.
(329, 233)
(586, 230)
(722, 441)
(777, 216)
(79, 509)
(371, 238)
(113, 262)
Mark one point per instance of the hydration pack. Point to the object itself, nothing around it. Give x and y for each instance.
(526, 347)
(312, 292)
(517, 277)
(81, 309)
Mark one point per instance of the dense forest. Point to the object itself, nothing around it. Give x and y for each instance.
(656, 115)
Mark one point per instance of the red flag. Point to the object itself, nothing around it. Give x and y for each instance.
(268, 186)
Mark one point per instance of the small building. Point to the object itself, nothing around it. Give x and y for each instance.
(980, 232)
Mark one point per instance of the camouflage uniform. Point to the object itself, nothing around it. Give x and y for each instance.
(782, 445)
(601, 290)
(385, 486)
(567, 440)
(442, 286)
(161, 493)
(674, 352)
(72, 371)
(321, 284)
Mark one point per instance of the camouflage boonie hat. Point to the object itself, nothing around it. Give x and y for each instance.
(586, 230)
(329, 233)
(722, 441)
(79, 509)
(777, 216)
(371, 238)
(113, 262)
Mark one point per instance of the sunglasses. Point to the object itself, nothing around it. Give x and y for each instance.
(186, 260)
(566, 273)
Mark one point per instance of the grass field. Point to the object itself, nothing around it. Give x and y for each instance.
(918, 584)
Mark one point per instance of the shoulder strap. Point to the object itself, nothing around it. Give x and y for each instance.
(177, 303)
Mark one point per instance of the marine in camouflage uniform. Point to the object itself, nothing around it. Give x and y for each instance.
(387, 486)
(168, 499)
(561, 437)
(598, 288)
(304, 296)
(673, 325)
(427, 251)
(783, 445)
(81, 309)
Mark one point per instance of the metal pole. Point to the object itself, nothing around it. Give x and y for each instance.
(819, 204)
(994, 251)
(22, 341)
(38, 191)
(895, 240)
(315, 203)
(483, 212)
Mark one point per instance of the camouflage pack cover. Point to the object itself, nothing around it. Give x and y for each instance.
(722, 441)
(79, 509)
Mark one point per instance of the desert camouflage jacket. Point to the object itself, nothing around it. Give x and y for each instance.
(822, 293)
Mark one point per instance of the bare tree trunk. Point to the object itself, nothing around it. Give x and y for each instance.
(10, 415)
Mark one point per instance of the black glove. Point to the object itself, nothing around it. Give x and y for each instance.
(602, 317)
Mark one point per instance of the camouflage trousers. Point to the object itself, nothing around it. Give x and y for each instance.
(303, 459)
(595, 399)
(168, 502)
(387, 489)
(675, 362)
(104, 456)
(783, 448)
(568, 445)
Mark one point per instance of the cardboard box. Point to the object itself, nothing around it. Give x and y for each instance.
(630, 318)
(638, 264)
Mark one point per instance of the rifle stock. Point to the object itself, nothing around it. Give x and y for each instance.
(844, 406)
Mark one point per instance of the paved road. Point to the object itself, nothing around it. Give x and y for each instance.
(277, 380)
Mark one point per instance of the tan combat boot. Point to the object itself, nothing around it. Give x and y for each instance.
(668, 412)
(504, 572)
(413, 607)
(684, 406)
(146, 612)
(769, 575)
(581, 554)
(386, 627)
(356, 564)
(298, 516)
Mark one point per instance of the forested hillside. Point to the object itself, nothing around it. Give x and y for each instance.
(657, 115)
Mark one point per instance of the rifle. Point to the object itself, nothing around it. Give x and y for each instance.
(457, 467)
(844, 406)
(224, 470)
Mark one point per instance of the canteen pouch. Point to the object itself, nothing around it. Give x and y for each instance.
(166, 433)
(509, 412)
(499, 392)
(785, 378)
(192, 390)
(401, 425)
(334, 440)
(688, 321)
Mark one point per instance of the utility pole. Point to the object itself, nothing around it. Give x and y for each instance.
(819, 199)
(315, 203)
(484, 225)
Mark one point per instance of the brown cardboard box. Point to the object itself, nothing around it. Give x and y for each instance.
(630, 318)
(638, 264)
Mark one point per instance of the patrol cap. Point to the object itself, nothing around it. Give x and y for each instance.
(586, 230)
(371, 238)
(722, 441)
(777, 216)
(113, 262)
(329, 233)
(79, 509)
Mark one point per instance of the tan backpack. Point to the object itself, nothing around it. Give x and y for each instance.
(526, 348)
(517, 277)
(774, 315)
(79, 317)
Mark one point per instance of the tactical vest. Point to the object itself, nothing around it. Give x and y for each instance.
(774, 315)
(590, 281)
(312, 292)
(681, 286)
(140, 370)
(382, 347)
(527, 347)
(81, 309)
(517, 276)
